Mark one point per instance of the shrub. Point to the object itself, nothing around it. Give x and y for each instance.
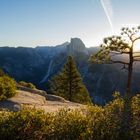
(136, 116)
(25, 124)
(7, 87)
(93, 122)
(28, 85)
(69, 125)
(2, 73)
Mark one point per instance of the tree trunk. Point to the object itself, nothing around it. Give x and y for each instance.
(130, 70)
(127, 112)
(70, 83)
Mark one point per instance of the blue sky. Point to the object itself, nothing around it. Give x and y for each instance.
(50, 22)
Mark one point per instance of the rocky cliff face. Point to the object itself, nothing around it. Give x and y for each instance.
(76, 45)
(38, 65)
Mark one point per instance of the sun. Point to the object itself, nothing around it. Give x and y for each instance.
(137, 46)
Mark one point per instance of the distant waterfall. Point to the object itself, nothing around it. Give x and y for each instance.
(48, 72)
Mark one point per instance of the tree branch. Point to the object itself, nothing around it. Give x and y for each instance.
(136, 60)
(121, 62)
(136, 52)
(136, 56)
(119, 52)
(136, 39)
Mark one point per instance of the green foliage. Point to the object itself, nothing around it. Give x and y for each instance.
(7, 87)
(111, 46)
(136, 116)
(2, 73)
(68, 124)
(90, 122)
(116, 95)
(117, 45)
(68, 84)
(28, 85)
(25, 124)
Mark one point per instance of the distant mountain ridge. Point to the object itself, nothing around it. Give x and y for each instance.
(38, 65)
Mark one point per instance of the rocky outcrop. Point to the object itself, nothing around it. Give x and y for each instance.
(25, 98)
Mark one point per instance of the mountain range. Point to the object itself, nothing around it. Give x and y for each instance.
(38, 65)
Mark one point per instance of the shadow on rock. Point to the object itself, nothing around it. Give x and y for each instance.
(10, 105)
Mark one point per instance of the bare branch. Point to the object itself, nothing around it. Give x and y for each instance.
(136, 60)
(119, 52)
(136, 52)
(131, 36)
(125, 52)
(128, 35)
(136, 39)
(121, 62)
(136, 56)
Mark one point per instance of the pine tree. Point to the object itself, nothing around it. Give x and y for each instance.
(68, 84)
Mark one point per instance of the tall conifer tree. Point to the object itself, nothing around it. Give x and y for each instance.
(68, 84)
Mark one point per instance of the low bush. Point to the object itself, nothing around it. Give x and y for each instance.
(25, 124)
(28, 85)
(7, 87)
(93, 122)
(2, 73)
